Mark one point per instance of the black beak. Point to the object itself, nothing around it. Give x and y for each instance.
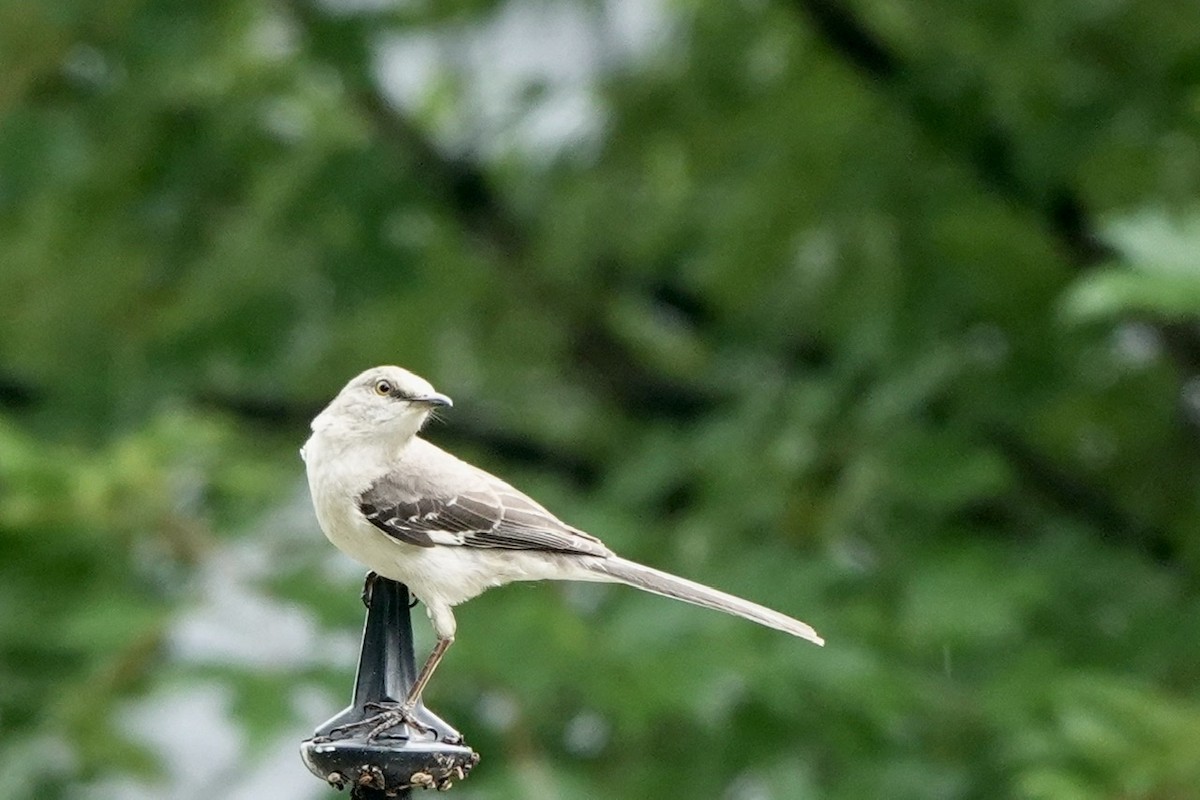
(434, 399)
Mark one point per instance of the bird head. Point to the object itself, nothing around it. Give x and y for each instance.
(387, 402)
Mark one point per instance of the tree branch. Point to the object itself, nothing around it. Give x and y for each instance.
(467, 193)
(1089, 503)
(989, 150)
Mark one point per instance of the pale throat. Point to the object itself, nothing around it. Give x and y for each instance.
(369, 441)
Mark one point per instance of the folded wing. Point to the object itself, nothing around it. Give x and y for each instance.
(493, 515)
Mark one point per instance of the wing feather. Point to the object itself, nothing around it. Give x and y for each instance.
(492, 515)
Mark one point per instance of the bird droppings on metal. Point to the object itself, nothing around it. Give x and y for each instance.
(371, 777)
(441, 774)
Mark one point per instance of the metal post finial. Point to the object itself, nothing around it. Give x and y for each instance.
(343, 752)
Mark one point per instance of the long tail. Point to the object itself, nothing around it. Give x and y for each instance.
(667, 585)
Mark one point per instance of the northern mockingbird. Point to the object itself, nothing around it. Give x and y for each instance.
(412, 512)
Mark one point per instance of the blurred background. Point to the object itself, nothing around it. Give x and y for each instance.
(882, 312)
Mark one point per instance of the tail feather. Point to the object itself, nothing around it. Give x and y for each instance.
(667, 585)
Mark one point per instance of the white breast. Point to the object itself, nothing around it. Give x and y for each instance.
(441, 576)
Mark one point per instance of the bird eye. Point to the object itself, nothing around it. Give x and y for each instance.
(383, 388)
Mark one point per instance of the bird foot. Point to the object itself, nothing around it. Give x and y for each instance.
(394, 715)
(368, 590)
(369, 587)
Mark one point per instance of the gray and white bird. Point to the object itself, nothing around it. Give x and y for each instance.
(448, 530)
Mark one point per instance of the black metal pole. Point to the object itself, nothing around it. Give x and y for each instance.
(389, 765)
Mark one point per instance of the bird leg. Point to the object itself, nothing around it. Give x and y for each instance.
(435, 658)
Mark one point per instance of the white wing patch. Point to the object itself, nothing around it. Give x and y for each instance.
(495, 516)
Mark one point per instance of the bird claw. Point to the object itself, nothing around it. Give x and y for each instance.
(393, 715)
(368, 589)
(430, 722)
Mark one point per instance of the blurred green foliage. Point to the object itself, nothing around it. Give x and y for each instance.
(883, 313)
